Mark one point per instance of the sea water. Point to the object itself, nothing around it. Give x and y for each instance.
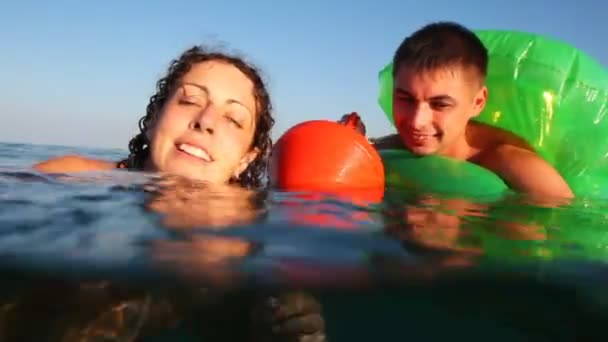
(109, 256)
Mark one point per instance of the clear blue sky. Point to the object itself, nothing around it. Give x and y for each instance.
(81, 72)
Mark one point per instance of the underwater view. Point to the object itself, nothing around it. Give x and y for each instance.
(303, 172)
(129, 256)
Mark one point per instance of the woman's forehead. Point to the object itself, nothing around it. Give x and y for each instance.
(219, 72)
(220, 79)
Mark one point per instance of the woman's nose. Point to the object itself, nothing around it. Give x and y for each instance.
(206, 119)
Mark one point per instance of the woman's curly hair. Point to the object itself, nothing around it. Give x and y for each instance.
(256, 173)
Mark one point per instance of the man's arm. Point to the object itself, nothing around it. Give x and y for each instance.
(527, 172)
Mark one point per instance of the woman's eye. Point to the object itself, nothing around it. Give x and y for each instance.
(189, 100)
(234, 121)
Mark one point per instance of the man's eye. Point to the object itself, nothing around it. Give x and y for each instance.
(440, 105)
(406, 99)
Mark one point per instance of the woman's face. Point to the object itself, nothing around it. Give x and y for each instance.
(205, 129)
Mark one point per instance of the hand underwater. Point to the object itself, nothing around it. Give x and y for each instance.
(291, 316)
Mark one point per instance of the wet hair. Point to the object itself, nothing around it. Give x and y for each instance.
(442, 44)
(255, 175)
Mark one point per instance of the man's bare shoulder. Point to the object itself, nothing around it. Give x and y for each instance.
(73, 163)
(509, 154)
(487, 137)
(387, 142)
(524, 170)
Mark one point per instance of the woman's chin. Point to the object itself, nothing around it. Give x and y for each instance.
(189, 172)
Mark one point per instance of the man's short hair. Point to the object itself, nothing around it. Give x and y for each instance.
(442, 44)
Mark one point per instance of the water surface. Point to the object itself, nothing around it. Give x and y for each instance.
(104, 254)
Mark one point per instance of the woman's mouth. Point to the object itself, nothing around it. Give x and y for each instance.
(194, 151)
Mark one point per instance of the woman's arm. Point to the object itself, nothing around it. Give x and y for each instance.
(73, 163)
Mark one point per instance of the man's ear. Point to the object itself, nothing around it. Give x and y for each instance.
(480, 100)
(247, 159)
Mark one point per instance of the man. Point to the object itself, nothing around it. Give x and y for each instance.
(439, 86)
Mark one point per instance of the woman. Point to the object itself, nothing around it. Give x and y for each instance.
(210, 120)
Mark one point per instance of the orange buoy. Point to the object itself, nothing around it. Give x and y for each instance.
(329, 157)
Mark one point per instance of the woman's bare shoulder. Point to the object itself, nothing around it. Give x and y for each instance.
(73, 163)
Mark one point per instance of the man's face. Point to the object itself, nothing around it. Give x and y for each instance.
(432, 108)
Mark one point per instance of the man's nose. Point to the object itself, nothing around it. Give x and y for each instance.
(422, 116)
